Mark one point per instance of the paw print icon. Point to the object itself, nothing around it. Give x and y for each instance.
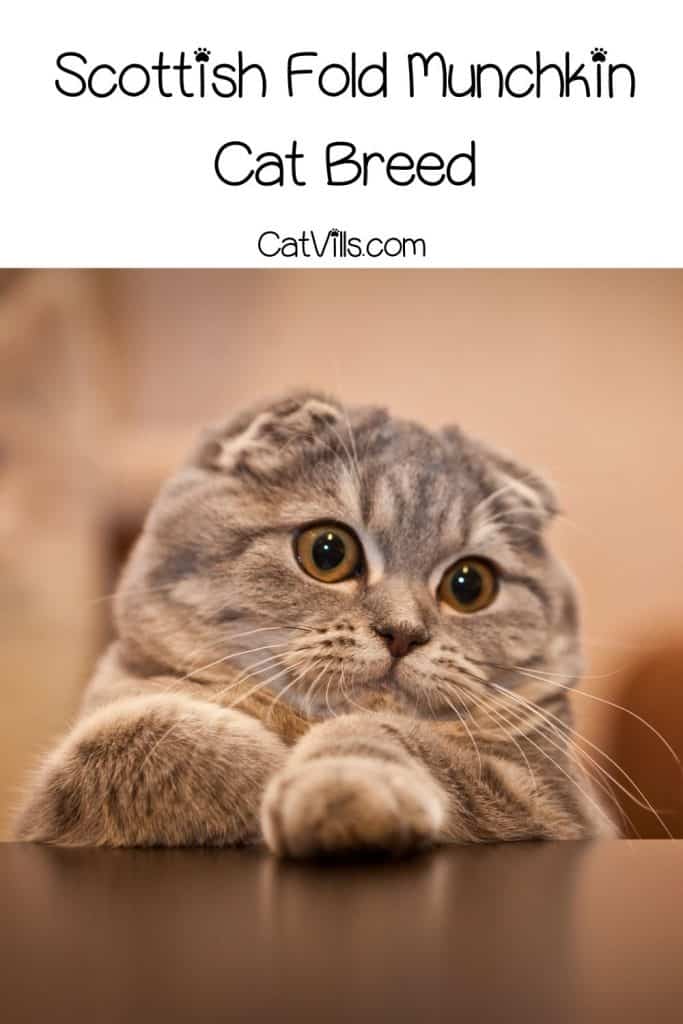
(599, 55)
(201, 54)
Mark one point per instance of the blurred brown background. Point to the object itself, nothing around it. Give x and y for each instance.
(105, 376)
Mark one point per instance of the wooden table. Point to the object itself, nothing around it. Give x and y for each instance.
(547, 933)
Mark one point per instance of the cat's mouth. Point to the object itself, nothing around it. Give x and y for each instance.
(394, 680)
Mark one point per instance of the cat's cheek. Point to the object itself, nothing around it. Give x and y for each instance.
(519, 642)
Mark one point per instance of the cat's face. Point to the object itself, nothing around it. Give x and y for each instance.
(332, 555)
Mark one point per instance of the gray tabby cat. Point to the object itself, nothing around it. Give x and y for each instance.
(338, 631)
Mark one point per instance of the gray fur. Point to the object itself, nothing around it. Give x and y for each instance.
(353, 749)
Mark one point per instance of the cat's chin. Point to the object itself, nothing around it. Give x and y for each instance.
(386, 690)
(378, 690)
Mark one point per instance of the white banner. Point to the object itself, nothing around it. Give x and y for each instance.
(362, 134)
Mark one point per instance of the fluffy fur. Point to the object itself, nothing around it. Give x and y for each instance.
(244, 699)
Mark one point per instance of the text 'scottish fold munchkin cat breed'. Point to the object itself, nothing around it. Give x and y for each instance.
(338, 631)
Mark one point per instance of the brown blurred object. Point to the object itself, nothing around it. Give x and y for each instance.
(652, 688)
(53, 425)
(75, 483)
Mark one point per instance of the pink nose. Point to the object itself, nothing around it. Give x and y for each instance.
(401, 639)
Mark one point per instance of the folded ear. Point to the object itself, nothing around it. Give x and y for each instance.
(270, 435)
(508, 474)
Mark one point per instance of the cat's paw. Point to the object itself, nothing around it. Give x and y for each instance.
(337, 805)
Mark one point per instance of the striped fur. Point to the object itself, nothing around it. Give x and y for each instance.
(243, 699)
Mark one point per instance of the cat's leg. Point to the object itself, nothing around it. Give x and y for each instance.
(353, 783)
(390, 783)
(155, 770)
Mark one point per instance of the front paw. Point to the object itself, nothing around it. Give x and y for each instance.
(337, 805)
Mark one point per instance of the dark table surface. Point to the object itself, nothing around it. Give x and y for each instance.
(557, 932)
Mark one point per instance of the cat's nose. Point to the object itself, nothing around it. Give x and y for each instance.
(402, 637)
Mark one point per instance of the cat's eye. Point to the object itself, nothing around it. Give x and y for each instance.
(328, 552)
(469, 585)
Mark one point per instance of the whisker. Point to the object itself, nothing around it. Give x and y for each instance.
(156, 745)
(467, 728)
(287, 625)
(564, 731)
(603, 700)
(498, 714)
(266, 682)
(354, 467)
(249, 672)
(544, 673)
(174, 725)
(352, 441)
(229, 657)
(354, 703)
(573, 753)
(596, 640)
(430, 705)
(311, 689)
(343, 688)
(327, 696)
(307, 668)
(231, 637)
(241, 654)
(588, 796)
(570, 751)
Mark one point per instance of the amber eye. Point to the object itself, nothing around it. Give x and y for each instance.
(328, 552)
(469, 585)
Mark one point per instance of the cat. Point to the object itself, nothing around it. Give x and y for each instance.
(337, 632)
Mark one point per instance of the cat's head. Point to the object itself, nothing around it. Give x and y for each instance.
(331, 554)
